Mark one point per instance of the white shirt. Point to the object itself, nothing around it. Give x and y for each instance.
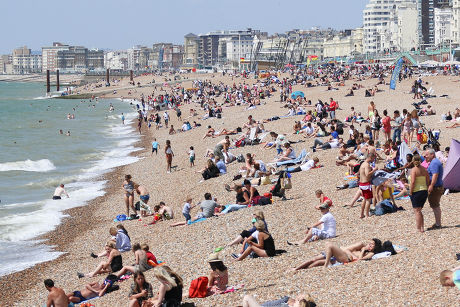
(329, 224)
(308, 130)
(308, 165)
(334, 143)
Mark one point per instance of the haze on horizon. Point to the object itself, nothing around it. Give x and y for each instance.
(120, 24)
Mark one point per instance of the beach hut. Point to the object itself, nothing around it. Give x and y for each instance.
(451, 176)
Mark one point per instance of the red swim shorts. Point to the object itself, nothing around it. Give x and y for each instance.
(366, 188)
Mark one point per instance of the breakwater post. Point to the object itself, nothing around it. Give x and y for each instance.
(131, 76)
(47, 81)
(107, 77)
(57, 80)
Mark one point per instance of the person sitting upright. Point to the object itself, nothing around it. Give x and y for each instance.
(56, 296)
(328, 229)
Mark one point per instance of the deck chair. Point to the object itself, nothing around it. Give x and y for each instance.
(252, 136)
(297, 160)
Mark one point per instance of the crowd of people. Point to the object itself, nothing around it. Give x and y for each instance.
(386, 147)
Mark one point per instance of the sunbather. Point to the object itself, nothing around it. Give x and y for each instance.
(334, 254)
(92, 290)
(113, 264)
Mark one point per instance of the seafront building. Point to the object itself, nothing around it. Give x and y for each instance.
(26, 62)
(443, 25)
(71, 59)
(116, 60)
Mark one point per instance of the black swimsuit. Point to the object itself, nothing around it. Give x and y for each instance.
(116, 264)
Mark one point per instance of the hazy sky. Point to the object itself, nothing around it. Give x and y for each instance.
(120, 24)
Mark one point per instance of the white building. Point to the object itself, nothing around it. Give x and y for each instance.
(404, 26)
(376, 25)
(345, 44)
(26, 62)
(49, 56)
(116, 60)
(455, 28)
(133, 57)
(443, 25)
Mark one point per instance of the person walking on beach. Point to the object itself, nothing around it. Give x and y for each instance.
(169, 155)
(59, 192)
(166, 118)
(192, 156)
(155, 146)
(435, 188)
(56, 296)
(365, 185)
(128, 187)
(419, 181)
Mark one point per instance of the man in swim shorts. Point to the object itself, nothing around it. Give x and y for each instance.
(56, 296)
(365, 175)
(91, 290)
(59, 192)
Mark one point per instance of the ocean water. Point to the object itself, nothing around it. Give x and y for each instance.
(35, 158)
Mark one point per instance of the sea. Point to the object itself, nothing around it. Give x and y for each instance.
(35, 158)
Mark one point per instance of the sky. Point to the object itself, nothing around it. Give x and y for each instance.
(121, 24)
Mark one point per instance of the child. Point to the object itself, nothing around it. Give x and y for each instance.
(218, 278)
(192, 156)
(450, 278)
(151, 259)
(323, 199)
(155, 146)
(186, 212)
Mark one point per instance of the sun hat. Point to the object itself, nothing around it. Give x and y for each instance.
(214, 257)
(324, 206)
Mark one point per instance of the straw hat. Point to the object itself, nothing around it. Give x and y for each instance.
(214, 257)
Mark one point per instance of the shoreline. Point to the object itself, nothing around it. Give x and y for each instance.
(78, 220)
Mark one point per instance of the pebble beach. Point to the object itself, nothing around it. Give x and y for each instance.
(410, 278)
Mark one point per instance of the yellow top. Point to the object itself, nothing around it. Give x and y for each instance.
(420, 184)
(386, 193)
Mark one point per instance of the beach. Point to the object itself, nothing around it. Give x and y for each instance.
(408, 278)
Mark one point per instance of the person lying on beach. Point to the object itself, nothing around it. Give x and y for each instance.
(334, 254)
(450, 278)
(121, 239)
(92, 290)
(307, 165)
(218, 277)
(113, 264)
(141, 265)
(56, 296)
(245, 234)
(314, 232)
(265, 246)
(227, 132)
(300, 300)
(141, 292)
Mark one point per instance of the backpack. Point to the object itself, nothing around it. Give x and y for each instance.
(198, 287)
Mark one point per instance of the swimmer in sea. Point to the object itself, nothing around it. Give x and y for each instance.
(68, 133)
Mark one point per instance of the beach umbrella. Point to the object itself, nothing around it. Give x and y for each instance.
(451, 179)
(297, 94)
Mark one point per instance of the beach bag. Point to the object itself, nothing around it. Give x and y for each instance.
(268, 195)
(239, 143)
(198, 287)
(286, 182)
(265, 180)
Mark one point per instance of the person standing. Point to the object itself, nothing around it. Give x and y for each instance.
(169, 155)
(365, 177)
(419, 181)
(435, 189)
(332, 107)
(397, 128)
(122, 118)
(155, 146)
(166, 118)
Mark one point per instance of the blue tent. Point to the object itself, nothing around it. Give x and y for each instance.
(297, 94)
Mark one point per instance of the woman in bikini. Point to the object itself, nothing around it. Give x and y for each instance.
(169, 155)
(128, 187)
(333, 254)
